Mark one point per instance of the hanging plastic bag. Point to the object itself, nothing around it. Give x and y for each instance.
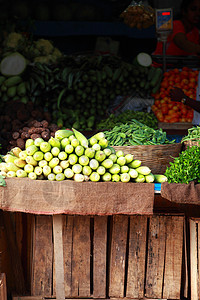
(139, 15)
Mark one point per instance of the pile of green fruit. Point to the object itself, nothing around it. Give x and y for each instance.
(70, 155)
(13, 88)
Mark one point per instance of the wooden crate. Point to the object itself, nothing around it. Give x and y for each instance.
(3, 289)
(107, 257)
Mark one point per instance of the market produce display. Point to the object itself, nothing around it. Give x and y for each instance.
(77, 90)
(40, 50)
(113, 120)
(70, 155)
(186, 167)
(171, 112)
(135, 133)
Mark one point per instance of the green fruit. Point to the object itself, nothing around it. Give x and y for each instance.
(55, 151)
(46, 170)
(69, 148)
(21, 173)
(38, 170)
(57, 169)
(45, 147)
(89, 152)
(48, 156)
(62, 155)
(54, 162)
(83, 160)
(64, 142)
(38, 155)
(28, 168)
(38, 141)
(68, 173)
(115, 169)
(28, 143)
(30, 150)
(30, 160)
(60, 177)
(51, 176)
(94, 176)
(32, 175)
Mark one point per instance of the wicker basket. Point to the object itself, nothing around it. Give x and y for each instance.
(156, 157)
(190, 143)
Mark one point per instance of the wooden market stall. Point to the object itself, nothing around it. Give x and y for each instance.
(98, 240)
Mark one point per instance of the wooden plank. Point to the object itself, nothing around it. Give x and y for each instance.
(118, 256)
(58, 254)
(198, 255)
(173, 257)
(185, 279)
(99, 257)
(193, 260)
(67, 245)
(155, 257)
(136, 257)
(3, 288)
(81, 257)
(41, 283)
(16, 264)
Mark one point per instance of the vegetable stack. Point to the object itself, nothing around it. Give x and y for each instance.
(135, 133)
(70, 155)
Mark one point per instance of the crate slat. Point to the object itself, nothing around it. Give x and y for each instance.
(81, 257)
(118, 256)
(99, 256)
(156, 255)
(137, 257)
(193, 260)
(173, 258)
(68, 224)
(3, 288)
(58, 254)
(42, 257)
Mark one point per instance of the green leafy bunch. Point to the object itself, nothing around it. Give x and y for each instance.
(186, 167)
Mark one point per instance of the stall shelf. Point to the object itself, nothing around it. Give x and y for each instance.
(98, 240)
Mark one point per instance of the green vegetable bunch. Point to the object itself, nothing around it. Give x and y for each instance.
(148, 119)
(135, 133)
(193, 134)
(186, 167)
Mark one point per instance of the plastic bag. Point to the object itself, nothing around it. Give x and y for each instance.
(134, 103)
(139, 15)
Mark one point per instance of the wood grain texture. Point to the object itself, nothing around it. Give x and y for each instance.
(58, 255)
(118, 256)
(3, 287)
(81, 257)
(173, 257)
(193, 260)
(99, 257)
(14, 254)
(41, 283)
(156, 256)
(136, 257)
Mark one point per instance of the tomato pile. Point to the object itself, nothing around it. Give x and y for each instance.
(170, 111)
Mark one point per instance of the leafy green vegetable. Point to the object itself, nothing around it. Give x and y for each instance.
(186, 167)
(2, 181)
